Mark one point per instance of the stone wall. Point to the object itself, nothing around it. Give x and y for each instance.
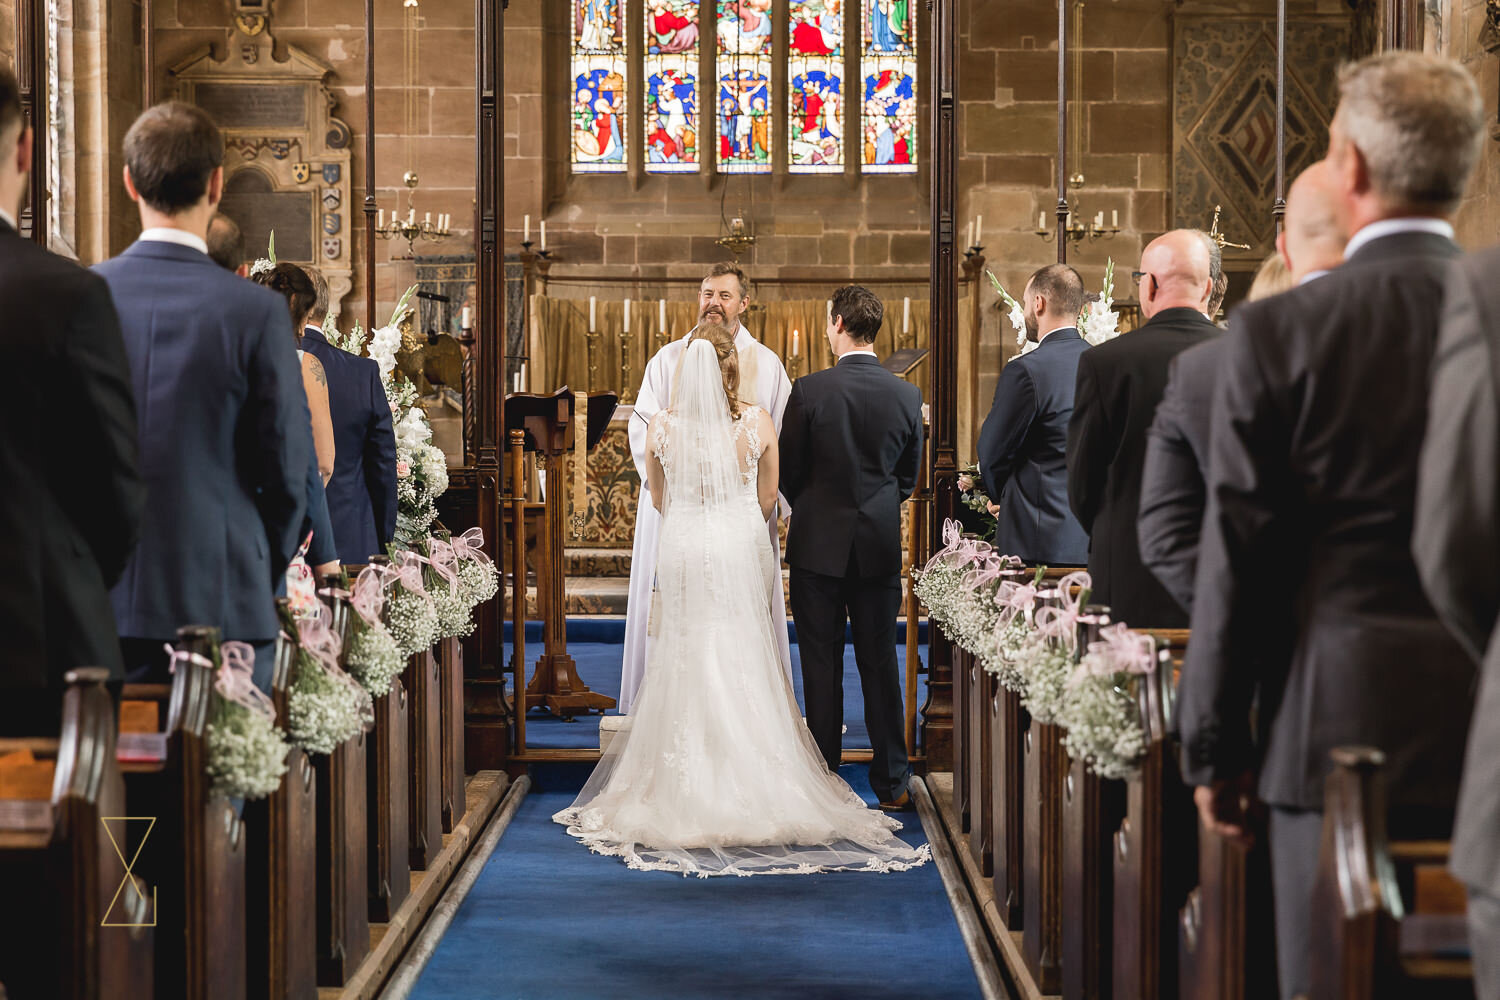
(1478, 222)
(441, 151)
(8, 34)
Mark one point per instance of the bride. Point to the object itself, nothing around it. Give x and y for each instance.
(718, 775)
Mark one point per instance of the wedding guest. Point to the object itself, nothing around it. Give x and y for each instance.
(1023, 442)
(1172, 491)
(1271, 278)
(362, 492)
(226, 244)
(70, 509)
(1456, 542)
(293, 284)
(223, 419)
(1307, 600)
(1215, 272)
(1119, 384)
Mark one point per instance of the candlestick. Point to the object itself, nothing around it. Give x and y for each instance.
(978, 230)
(627, 315)
(544, 234)
(661, 316)
(463, 322)
(796, 335)
(592, 304)
(526, 230)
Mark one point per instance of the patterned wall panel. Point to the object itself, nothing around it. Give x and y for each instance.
(1224, 117)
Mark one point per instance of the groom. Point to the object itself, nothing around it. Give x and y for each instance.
(851, 443)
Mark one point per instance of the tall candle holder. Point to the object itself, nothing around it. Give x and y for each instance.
(1076, 231)
(594, 337)
(627, 387)
(408, 228)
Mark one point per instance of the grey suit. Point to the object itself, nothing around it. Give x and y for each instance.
(1457, 547)
(1172, 494)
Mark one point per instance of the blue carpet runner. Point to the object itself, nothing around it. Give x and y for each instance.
(596, 647)
(548, 920)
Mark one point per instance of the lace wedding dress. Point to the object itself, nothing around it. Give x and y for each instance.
(717, 774)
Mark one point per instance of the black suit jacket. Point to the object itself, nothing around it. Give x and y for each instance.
(851, 443)
(1119, 385)
(1172, 498)
(362, 490)
(70, 504)
(1307, 593)
(1022, 448)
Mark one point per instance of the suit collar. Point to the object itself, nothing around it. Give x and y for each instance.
(315, 335)
(1404, 243)
(857, 359)
(1061, 335)
(167, 251)
(1177, 316)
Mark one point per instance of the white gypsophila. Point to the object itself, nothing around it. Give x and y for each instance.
(1103, 723)
(321, 712)
(1001, 654)
(373, 657)
(1043, 668)
(455, 613)
(973, 616)
(246, 753)
(261, 266)
(412, 621)
(478, 581)
(938, 588)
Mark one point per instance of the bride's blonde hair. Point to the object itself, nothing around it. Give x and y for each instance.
(729, 360)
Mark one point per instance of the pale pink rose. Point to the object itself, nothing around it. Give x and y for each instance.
(394, 409)
(402, 470)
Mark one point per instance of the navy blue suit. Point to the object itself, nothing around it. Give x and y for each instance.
(1023, 450)
(225, 439)
(362, 492)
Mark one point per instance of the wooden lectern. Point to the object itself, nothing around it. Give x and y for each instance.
(549, 422)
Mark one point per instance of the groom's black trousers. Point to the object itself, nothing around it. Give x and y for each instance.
(821, 605)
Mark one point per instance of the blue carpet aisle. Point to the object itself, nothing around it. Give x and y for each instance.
(596, 647)
(547, 920)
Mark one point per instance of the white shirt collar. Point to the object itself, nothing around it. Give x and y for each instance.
(1065, 326)
(10, 220)
(163, 234)
(312, 326)
(1390, 227)
(1313, 276)
(859, 350)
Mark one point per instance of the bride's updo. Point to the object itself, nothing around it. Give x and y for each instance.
(729, 360)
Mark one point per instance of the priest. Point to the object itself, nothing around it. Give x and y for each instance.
(722, 299)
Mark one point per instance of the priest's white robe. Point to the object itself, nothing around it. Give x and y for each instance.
(763, 382)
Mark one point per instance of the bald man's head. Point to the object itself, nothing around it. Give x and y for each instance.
(1311, 238)
(1178, 272)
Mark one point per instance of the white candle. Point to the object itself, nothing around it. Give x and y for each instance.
(661, 315)
(978, 229)
(1099, 221)
(426, 218)
(592, 304)
(906, 315)
(1041, 221)
(627, 315)
(796, 335)
(544, 234)
(411, 216)
(526, 230)
(464, 322)
(380, 219)
(1114, 218)
(970, 239)
(830, 310)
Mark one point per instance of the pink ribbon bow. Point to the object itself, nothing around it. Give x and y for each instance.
(1132, 652)
(1015, 600)
(957, 550)
(1061, 622)
(368, 596)
(406, 568)
(236, 679)
(443, 560)
(470, 545)
(323, 644)
(990, 569)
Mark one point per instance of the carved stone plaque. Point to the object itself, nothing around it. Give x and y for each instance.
(275, 107)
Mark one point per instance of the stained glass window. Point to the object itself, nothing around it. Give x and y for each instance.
(888, 66)
(671, 86)
(744, 86)
(600, 69)
(815, 87)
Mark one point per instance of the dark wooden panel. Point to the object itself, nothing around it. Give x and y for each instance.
(1092, 810)
(981, 685)
(425, 723)
(387, 765)
(1008, 724)
(451, 668)
(1041, 940)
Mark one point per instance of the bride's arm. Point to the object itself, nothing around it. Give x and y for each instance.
(656, 476)
(769, 470)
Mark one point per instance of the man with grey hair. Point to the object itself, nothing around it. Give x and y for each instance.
(1216, 274)
(1307, 599)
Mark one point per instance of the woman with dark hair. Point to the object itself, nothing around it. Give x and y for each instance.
(293, 284)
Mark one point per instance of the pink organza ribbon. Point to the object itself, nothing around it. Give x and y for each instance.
(443, 560)
(1132, 652)
(236, 679)
(322, 644)
(991, 568)
(1015, 600)
(470, 545)
(1060, 623)
(368, 595)
(406, 568)
(957, 550)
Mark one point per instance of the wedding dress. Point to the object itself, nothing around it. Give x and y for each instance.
(717, 774)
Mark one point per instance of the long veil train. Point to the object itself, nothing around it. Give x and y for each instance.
(717, 774)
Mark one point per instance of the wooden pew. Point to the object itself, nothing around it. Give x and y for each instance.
(1044, 765)
(387, 798)
(962, 751)
(1152, 849)
(451, 669)
(195, 853)
(77, 928)
(343, 826)
(1388, 921)
(280, 863)
(1008, 723)
(425, 805)
(977, 737)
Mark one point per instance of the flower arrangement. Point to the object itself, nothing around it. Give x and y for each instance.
(1097, 320)
(409, 612)
(454, 611)
(325, 706)
(373, 656)
(264, 264)
(1017, 314)
(972, 496)
(940, 584)
(246, 752)
(1099, 708)
(478, 577)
